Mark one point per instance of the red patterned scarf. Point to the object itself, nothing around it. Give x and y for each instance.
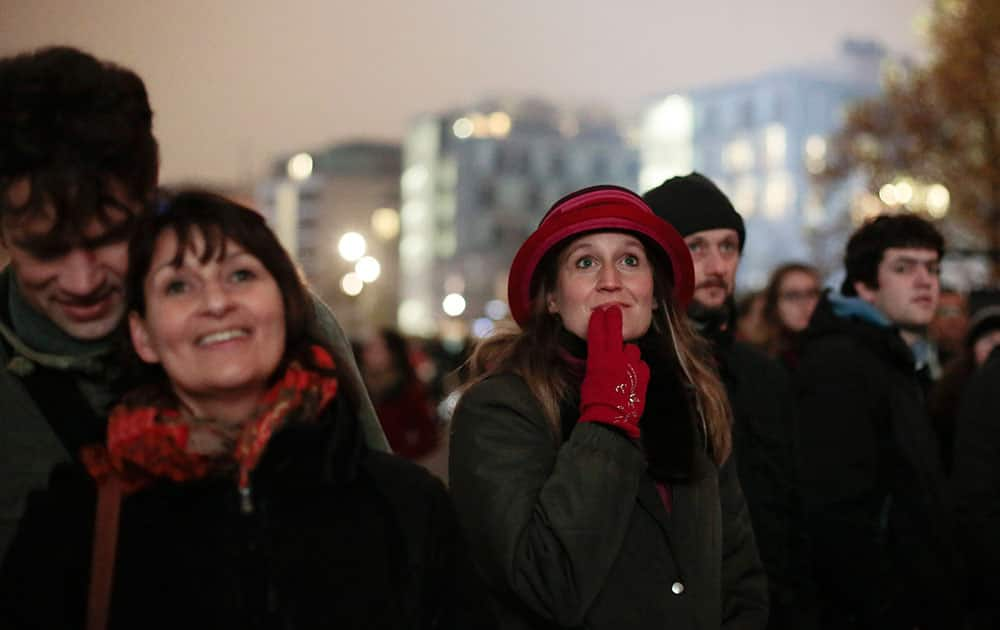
(149, 443)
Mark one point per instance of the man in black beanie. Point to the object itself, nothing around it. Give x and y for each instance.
(758, 387)
(715, 234)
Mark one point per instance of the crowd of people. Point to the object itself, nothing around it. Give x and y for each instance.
(189, 438)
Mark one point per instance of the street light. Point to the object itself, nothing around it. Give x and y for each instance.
(453, 304)
(351, 284)
(904, 192)
(351, 246)
(368, 269)
(887, 194)
(496, 309)
(300, 166)
(938, 198)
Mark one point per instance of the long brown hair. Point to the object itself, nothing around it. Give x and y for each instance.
(777, 338)
(533, 354)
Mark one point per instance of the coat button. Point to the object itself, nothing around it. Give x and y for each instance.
(677, 588)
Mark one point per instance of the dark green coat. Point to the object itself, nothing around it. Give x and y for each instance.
(576, 535)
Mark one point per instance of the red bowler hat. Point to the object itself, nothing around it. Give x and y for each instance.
(593, 209)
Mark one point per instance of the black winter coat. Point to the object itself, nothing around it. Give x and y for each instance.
(339, 536)
(976, 482)
(573, 533)
(872, 484)
(764, 449)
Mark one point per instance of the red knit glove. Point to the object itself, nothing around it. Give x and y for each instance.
(614, 387)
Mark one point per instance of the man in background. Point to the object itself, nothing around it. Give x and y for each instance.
(872, 480)
(758, 388)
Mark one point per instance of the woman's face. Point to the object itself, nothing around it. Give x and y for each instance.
(375, 355)
(599, 269)
(797, 299)
(218, 328)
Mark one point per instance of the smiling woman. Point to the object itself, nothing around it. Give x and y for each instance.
(213, 317)
(247, 495)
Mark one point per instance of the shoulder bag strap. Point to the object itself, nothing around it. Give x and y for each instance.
(109, 495)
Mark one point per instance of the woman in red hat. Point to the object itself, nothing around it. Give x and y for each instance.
(589, 457)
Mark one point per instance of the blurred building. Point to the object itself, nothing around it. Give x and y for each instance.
(476, 181)
(760, 140)
(313, 199)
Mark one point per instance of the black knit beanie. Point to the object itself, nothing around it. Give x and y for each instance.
(692, 203)
(983, 321)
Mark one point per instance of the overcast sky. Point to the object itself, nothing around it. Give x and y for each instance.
(235, 83)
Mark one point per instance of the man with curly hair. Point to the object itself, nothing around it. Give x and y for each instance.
(877, 508)
(78, 166)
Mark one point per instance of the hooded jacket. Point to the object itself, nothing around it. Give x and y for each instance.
(872, 485)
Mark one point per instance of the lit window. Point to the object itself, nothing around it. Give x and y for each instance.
(745, 196)
(412, 248)
(480, 125)
(415, 215)
(777, 195)
(414, 178)
(499, 124)
(738, 156)
(814, 211)
(815, 147)
(815, 154)
(670, 119)
(775, 144)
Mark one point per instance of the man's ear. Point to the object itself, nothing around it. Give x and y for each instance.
(865, 292)
(140, 339)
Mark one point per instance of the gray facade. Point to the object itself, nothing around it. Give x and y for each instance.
(309, 212)
(476, 183)
(759, 140)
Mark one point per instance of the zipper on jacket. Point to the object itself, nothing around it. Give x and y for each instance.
(246, 500)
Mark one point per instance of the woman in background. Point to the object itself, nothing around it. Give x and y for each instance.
(399, 397)
(789, 301)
